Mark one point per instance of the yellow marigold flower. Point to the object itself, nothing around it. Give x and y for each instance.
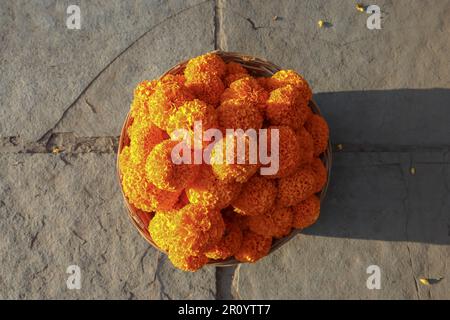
(253, 247)
(178, 78)
(258, 195)
(161, 170)
(142, 93)
(145, 89)
(276, 222)
(144, 136)
(139, 192)
(162, 228)
(208, 191)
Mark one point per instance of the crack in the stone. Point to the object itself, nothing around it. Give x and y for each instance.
(163, 293)
(48, 133)
(235, 283)
(90, 105)
(83, 241)
(62, 144)
(253, 24)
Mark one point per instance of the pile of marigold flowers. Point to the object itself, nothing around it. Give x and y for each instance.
(203, 212)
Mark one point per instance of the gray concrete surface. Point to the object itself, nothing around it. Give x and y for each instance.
(385, 93)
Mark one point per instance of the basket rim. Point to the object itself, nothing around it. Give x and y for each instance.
(326, 158)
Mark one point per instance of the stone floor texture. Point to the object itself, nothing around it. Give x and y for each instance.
(385, 93)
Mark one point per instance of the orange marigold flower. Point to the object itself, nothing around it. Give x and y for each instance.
(139, 192)
(198, 229)
(289, 151)
(230, 242)
(276, 222)
(296, 188)
(229, 79)
(318, 128)
(258, 195)
(186, 116)
(247, 89)
(254, 246)
(306, 212)
(239, 114)
(187, 262)
(207, 87)
(306, 143)
(285, 108)
(235, 68)
(209, 191)
(161, 170)
(320, 174)
(225, 162)
(265, 83)
(168, 96)
(284, 77)
(144, 136)
(208, 63)
(235, 71)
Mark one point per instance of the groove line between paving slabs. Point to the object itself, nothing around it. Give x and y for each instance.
(218, 20)
(69, 143)
(66, 143)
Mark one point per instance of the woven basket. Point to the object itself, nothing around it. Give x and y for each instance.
(256, 67)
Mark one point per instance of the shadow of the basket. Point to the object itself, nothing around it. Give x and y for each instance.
(390, 178)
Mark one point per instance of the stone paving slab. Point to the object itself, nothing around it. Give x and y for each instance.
(385, 94)
(375, 213)
(45, 66)
(408, 52)
(56, 213)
